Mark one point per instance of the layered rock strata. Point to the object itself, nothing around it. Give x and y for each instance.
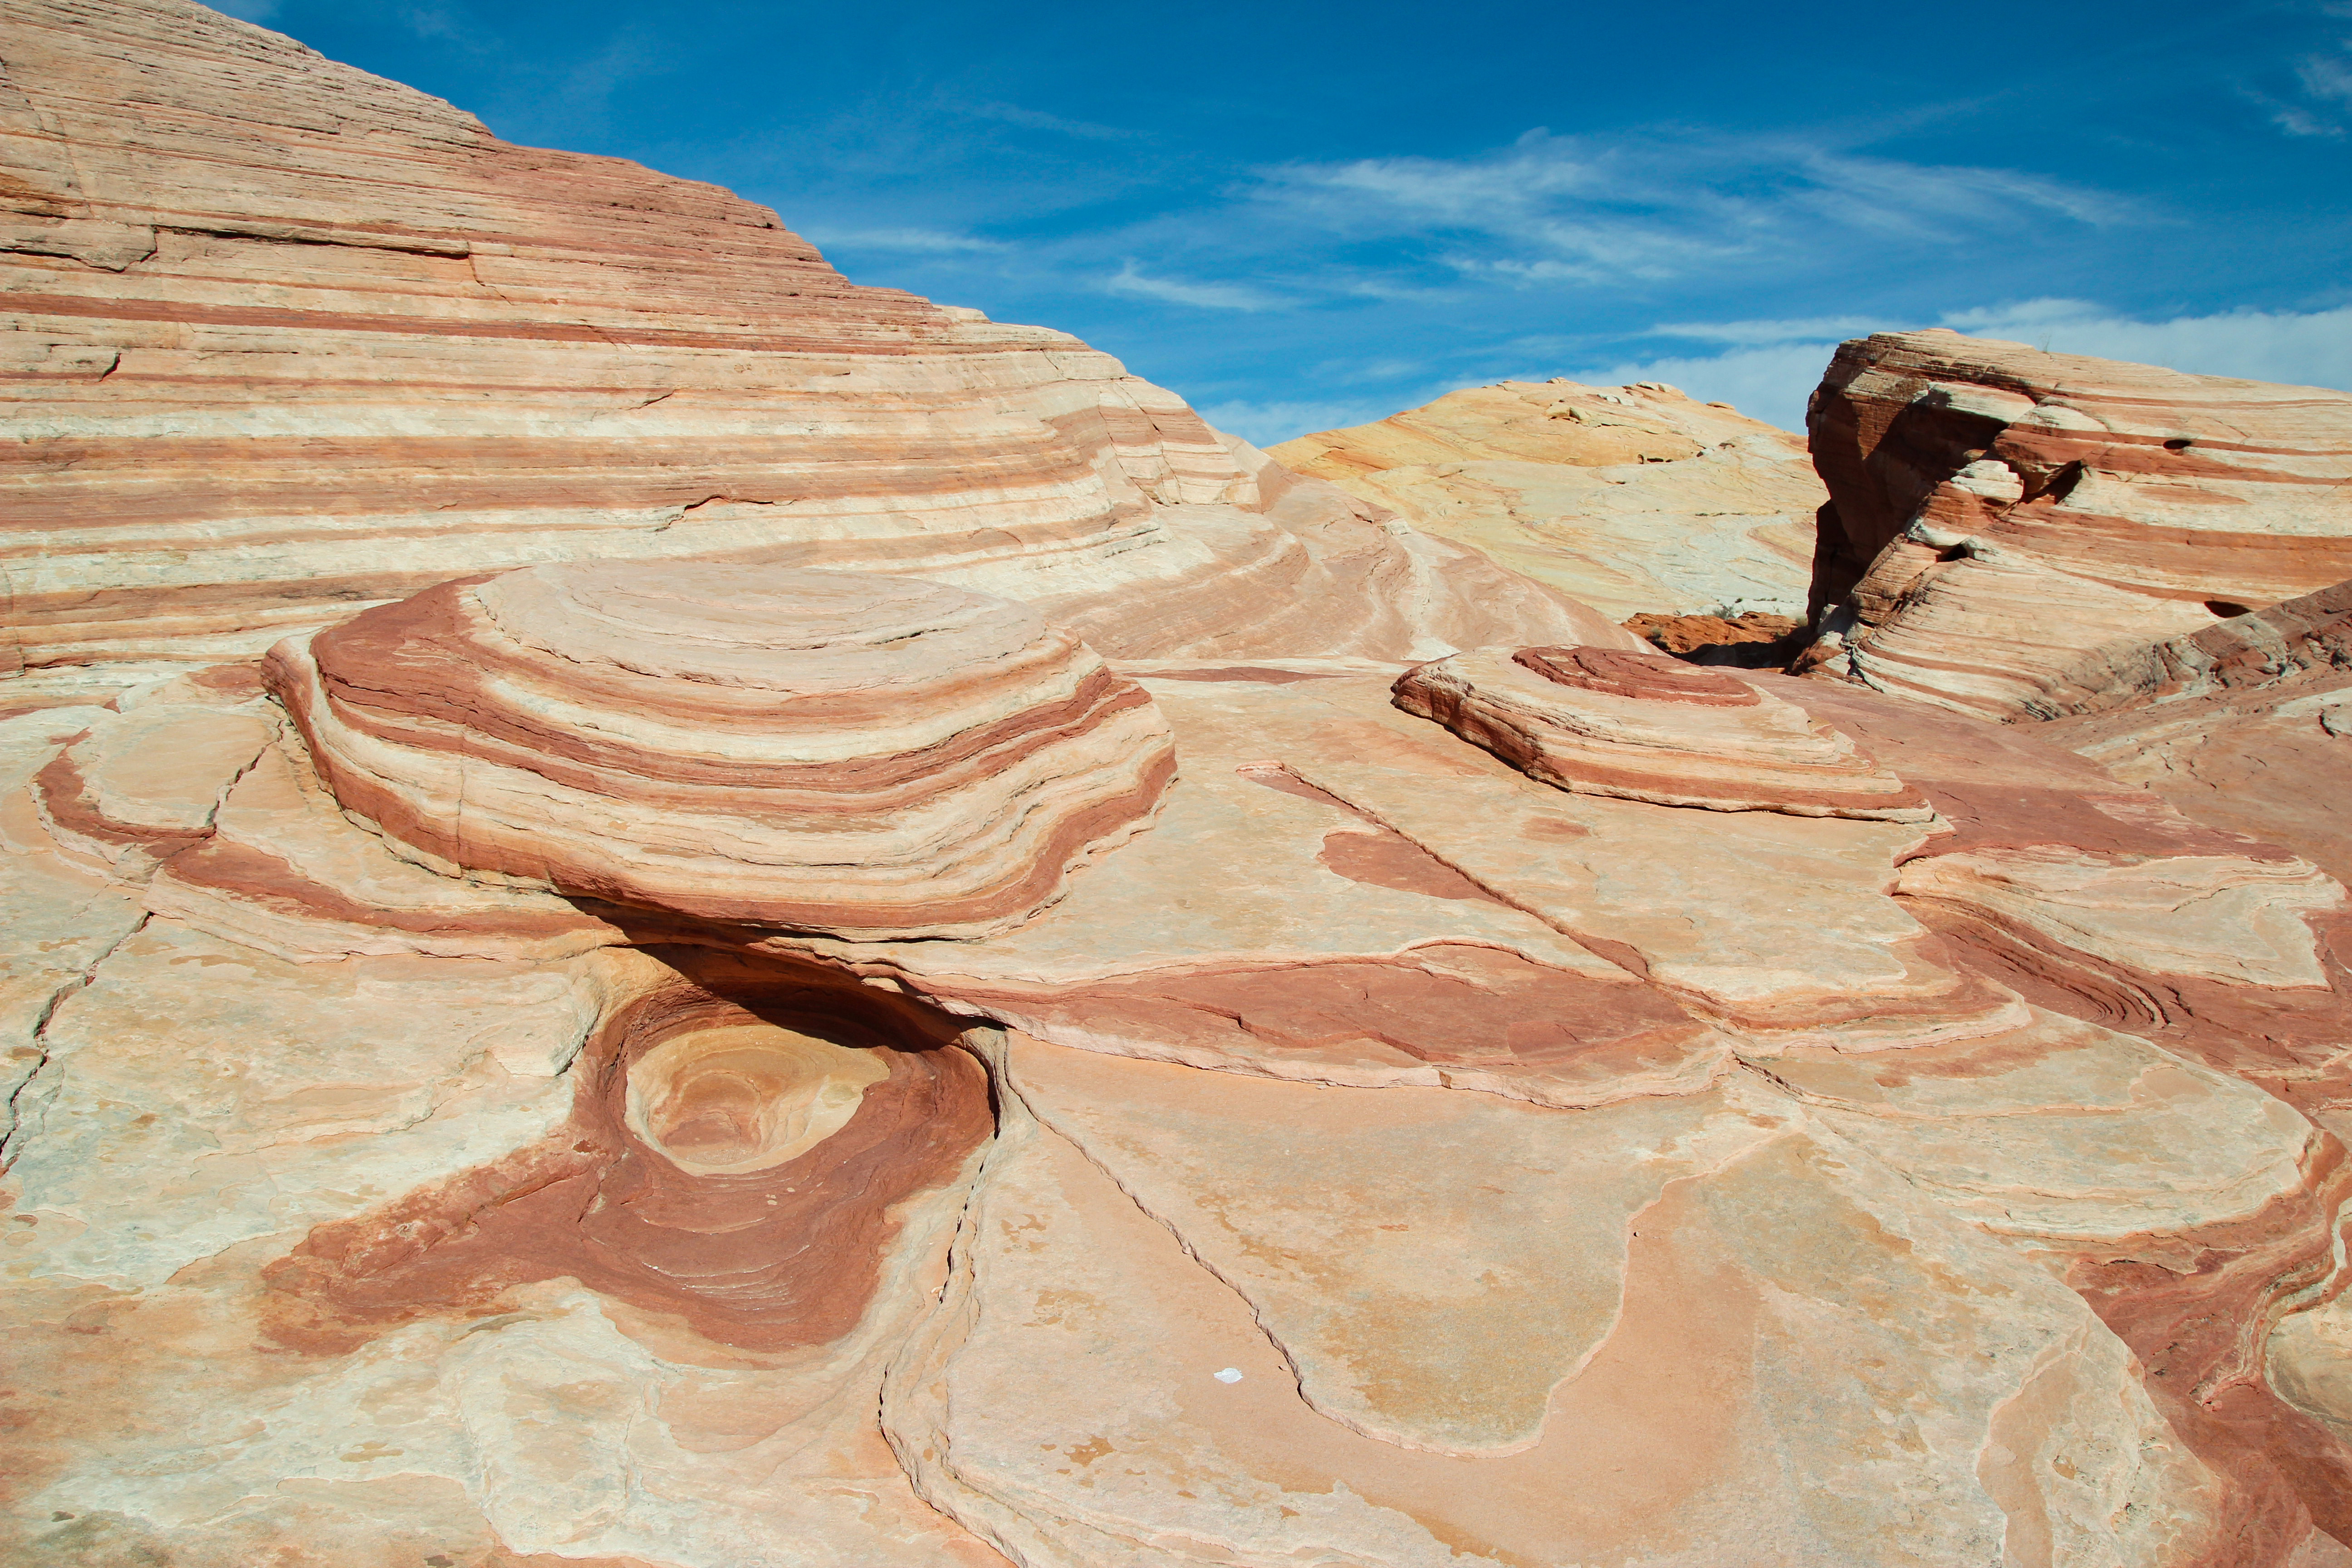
(1388, 1158)
(2246, 724)
(290, 340)
(1644, 727)
(1633, 498)
(2010, 531)
(820, 751)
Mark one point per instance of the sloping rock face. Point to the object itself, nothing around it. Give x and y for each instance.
(2010, 531)
(2246, 724)
(291, 340)
(1643, 727)
(858, 755)
(1377, 1153)
(2152, 562)
(1633, 500)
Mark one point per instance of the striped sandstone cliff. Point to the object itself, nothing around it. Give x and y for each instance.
(288, 340)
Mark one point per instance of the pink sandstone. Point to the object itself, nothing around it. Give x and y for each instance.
(1368, 1150)
(2009, 531)
(861, 755)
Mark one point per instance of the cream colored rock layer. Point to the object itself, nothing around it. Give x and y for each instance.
(1523, 1177)
(1629, 499)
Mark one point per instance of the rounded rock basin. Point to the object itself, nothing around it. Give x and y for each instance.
(745, 1096)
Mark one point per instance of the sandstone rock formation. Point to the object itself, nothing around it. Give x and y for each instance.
(2149, 561)
(292, 340)
(1378, 1153)
(1645, 726)
(1710, 636)
(1631, 498)
(2009, 531)
(822, 750)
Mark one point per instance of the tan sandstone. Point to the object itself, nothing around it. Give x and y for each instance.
(1643, 727)
(825, 750)
(1633, 500)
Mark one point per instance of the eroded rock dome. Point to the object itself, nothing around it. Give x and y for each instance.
(823, 752)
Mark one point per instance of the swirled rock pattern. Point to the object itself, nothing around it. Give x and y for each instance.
(291, 340)
(1644, 727)
(1634, 499)
(2009, 531)
(860, 755)
(1388, 1157)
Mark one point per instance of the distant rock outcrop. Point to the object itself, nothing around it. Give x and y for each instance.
(292, 340)
(2010, 531)
(1631, 498)
(2153, 562)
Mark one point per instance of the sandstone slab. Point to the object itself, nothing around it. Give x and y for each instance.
(1642, 727)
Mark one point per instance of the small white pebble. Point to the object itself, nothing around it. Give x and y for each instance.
(1231, 1374)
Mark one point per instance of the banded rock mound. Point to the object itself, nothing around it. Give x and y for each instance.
(1645, 726)
(2009, 531)
(866, 756)
(1634, 499)
(2246, 724)
(291, 340)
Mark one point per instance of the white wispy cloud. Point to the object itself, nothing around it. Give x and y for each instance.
(2296, 121)
(2324, 81)
(1038, 120)
(1130, 281)
(2325, 76)
(1576, 210)
(926, 241)
(2301, 348)
(1809, 328)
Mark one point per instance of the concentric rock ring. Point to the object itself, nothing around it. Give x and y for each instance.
(1643, 727)
(861, 756)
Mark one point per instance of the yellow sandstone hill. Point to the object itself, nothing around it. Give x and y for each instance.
(1634, 498)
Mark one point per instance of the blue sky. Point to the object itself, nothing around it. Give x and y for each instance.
(1309, 215)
